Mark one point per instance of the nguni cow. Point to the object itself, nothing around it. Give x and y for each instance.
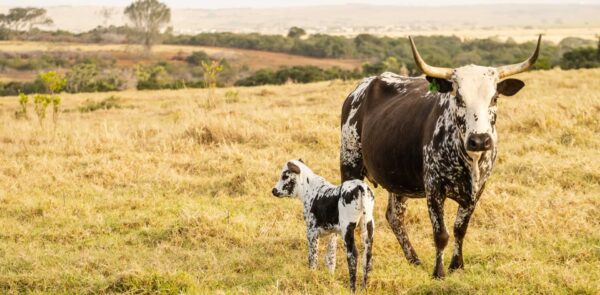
(435, 144)
(329, 210)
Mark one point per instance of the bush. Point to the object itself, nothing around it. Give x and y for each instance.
(197, 57)
(112, 102)
(14, 88)
(297, 74)
(87, 78)
(581, 58)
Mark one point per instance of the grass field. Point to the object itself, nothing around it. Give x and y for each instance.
(162, 195)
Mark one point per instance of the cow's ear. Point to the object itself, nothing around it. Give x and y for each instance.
(443, 85)
(293, 167)
(510, 87)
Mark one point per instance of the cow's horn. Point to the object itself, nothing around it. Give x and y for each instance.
(509, 70)
(443, 73)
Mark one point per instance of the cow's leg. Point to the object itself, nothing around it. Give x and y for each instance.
(330, 256)
(395, 217)
(367, 239)
(460, 229)
(313, 245)
(351, 252)
(440, 234)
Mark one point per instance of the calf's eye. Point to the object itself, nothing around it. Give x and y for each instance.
(494, 100)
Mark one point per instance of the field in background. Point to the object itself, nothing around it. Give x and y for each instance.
(129, 55)
(159, 194)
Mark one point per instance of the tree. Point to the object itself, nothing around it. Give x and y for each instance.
(296, 32)
(148, 18)
(19, 18)
(107, 14)
(579, 58)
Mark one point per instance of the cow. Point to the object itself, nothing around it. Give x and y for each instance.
(329, 210)
(432, 138)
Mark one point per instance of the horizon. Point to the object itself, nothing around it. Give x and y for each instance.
(266, 4)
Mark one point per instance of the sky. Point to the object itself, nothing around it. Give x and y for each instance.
(213, 4)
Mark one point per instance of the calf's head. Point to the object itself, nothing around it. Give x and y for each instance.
(474, 91)
(289, 180)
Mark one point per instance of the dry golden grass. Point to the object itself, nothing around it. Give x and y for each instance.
(164, 196)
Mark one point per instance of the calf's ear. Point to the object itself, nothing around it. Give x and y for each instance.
(510, 87)
(443, 85)
(293, 167)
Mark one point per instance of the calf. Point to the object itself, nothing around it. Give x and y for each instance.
(329, 210)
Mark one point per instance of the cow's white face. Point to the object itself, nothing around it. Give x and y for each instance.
(475, 90)
(475, 93)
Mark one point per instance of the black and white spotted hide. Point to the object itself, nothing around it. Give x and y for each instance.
(330, 210)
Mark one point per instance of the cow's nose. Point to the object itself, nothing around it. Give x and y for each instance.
(274, 192)
(479, 142)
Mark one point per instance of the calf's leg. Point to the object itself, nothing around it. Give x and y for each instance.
(313, 245)
(330, 256)
(367, 237)
(351, 252)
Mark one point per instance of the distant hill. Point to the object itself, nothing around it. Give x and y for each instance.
(356, 18)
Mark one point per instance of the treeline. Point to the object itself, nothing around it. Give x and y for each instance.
(447, 51)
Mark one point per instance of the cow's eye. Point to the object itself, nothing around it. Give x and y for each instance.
(284, 176)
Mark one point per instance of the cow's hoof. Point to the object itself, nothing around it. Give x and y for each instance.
(415, 261)
(456, 264)
(438, 273)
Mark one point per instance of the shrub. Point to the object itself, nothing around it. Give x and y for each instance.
(581, 58)
(23, 101)
(40, 104)
(150, 77)
(86, 77)
(197, 58)
(232, 96)
(14, 88)
(297, 74)
(112, 102)
(211, 71)
(54, 83)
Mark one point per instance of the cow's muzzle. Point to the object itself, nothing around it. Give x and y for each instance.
(479, 142)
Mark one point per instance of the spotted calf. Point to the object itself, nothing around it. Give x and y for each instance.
(329, 210)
